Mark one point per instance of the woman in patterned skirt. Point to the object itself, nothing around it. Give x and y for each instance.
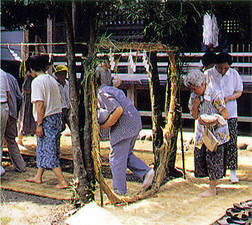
(47, 112)
(205, 100)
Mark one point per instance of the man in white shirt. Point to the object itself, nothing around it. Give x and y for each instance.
(5, 99)
(47, 109)
(230, 82)
(60, 75)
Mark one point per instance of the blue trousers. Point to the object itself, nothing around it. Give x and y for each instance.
(121, 157)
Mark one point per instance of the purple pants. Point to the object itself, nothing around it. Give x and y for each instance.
(121, 157)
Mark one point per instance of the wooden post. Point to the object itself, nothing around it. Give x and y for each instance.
(74, 18)
(154, 86)
(249, 58)
(26, 40)
(169, 130)
(49, 37)
(49, 34)
(131, 94)
(80, 173)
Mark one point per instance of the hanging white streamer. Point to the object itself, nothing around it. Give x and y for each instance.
(15, 55)
(215, 32)
(112, 60)
(145, 62)
(210, 30)
(132, 63)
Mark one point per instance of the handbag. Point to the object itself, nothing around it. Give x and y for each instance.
(209, 140)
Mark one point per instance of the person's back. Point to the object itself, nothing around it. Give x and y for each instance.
(129, 123)
(45, 88)
(16, 95)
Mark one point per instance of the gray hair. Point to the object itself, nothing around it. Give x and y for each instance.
(194, 78)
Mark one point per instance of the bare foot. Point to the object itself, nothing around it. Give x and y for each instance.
(61, 186)
(34, 180)
(209, 192)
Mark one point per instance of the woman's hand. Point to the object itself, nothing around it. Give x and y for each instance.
(39, 131)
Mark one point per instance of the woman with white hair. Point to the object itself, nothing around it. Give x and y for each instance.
(208, 106)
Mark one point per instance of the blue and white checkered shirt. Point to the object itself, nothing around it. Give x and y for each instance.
(129, 124)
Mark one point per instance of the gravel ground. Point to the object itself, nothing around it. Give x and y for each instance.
(19, 208)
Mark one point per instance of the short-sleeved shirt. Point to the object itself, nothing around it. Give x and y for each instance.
(229, 83)
(104, 75)
(45, 88)
(4, 86)
(15, 95)
(129, 124)
(64, 93)
(211, 102)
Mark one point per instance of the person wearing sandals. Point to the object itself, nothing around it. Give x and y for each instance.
(47, 112)
(229, 82)
(125, 123)
(204, 101)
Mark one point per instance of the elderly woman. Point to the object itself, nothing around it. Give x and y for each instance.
(207, 105)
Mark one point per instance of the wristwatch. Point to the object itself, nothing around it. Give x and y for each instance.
(40, 125)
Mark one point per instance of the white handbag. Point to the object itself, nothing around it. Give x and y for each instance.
(209, 140)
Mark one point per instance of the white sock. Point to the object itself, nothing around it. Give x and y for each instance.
(233, 176)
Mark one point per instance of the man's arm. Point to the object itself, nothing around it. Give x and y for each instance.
(40, 112)
(113, 118)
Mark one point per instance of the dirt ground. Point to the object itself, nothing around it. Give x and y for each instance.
(175, 203)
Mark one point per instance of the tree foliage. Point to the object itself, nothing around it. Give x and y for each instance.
(17, 14)
(177, 23)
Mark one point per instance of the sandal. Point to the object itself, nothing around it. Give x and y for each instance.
(233, 211)
(243, 205)
(248, 212)
(240, 217)
(231, 220)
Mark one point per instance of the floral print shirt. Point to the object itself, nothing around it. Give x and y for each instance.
(211, 102)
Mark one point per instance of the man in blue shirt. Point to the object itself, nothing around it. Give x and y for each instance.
(11, 128)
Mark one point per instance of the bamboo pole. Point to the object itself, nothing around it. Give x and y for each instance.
(169, 130)
(169, 133)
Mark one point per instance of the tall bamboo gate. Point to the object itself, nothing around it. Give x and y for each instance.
(169, 131)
